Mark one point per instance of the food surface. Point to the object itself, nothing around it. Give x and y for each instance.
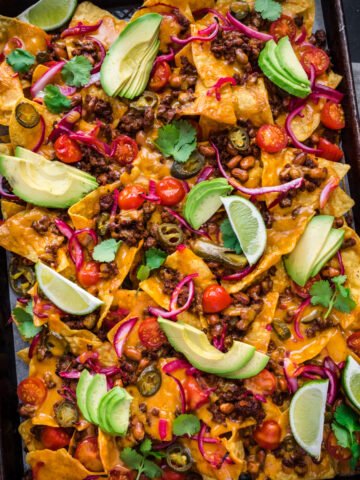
(182, 251)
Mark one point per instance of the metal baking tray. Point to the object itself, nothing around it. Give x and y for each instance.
(330, 16)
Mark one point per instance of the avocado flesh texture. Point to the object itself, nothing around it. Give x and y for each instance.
(255, 366)
(201, 354)
(300, 263)
(206, 205)
(95, 392)
(81, 392)
(118, 413)
(126, 53)
(332, 245)
(105, 427)
(44, 183)
(271, 67)
(289, 61)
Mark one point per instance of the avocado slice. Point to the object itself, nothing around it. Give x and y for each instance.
(81, 392)
(271, 67)
(118, 412)
(332, 245)
(201, 187)
(289, 61)
(255, 366)
(127, 53)
(96, 390)
(118, 394)
(45, 183)
(300, 263)
(201, 354)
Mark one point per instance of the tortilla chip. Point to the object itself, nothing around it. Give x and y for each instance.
(109, 452)
(33, 38)
(10, 91)
(252, 103)
(338, 204)
(118, 108)
(149, 164)
(8, 209)
(305, 8)
(199, 4)
(29, 439)
(6, 148)
(303, 350)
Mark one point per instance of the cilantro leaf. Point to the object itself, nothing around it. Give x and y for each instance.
(341, 434)
(151, 470)
(186, 424)
(106, 250)
(143, 272)
(177, 140)
(355, 450)
(54, 100)
(339, 280)
(76, 72)
(146, 445)
(339, 298)
(132, 458)
(24, 322)
(138, 461)
(344, 303)
(346, 417)
(269, 9)
(155, 258)
(321, 293)
(230, 240)
(20, 60)
(347, 423)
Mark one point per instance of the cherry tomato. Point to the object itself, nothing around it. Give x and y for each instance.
(171, 475)
(54, 438)
(271, 138)
(67, 150)
(315, 57)
(130, 198)
(215, 298)
(32, 391)
(160, 76)
(89, 274)
(284, 26)
(264, 383)
(195, 395)
(335, 450)
(87, 452)
(329, 150)
(332, 116)
(150, 334)
(268, 435)
(353, 342)
(171, 191)
(126, 149)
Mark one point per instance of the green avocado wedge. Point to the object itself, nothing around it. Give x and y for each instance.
(290, 63)
(118, 411)
(332, 245)
(102, 410)
(255, 366)
(95, 392)
(81, 393)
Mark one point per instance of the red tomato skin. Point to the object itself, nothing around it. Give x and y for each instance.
(54, 438)
(126, 150)
(195, 395)
(160, 76)
(150, 334)
(171, 191)
(32, 391)
(271, 138)
(332, 116)
(268, 435)
(284, 26)
(353, 342)
(335, 450)
(316, 57)
(67, 150)
(87, 452)
(130, 197)
(89, 274)
(264, 383)
(329, 150)
(171, 475)
(215, 299)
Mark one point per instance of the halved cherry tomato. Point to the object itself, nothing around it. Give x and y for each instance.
(215, 298)
(195, 395)
(54, 438)
(126, 149)
(87, 452)
(329, 150)
(150, 333)
(271, 138)
(284, 26)
(130, 198)
(332, 116)
(89, 274)
(171, 191)
(160, 76)
(67, 150)
(268, 435)
(335, 450)
(353, 342)
(171, 475)
(264, 383)
(32, 391)
(315, 57)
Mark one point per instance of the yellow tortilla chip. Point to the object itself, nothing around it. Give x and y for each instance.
(109, 452)
(338, 204)
(8, 209)
(29, 439)
(119, 108)
(305, 8)
(149, 164)
(10, 91)
(303, 350)
(252, 103)
(273, 469)
(33, 38)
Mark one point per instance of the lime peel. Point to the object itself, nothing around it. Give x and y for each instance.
(49, 14)
(351, 381)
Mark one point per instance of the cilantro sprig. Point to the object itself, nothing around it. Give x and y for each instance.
(24, 321)
(344, 427)
(54, 100)
(229, 238)
(106, 251)
(186, 424)
(76, 72)
(177, 140)
(154, 258)
(268, 9)
(20, 60)
(332, 296)
(139, 460)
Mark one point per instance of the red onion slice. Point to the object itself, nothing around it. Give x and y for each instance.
(332, 94)
(331, 185)
(64, 228)
(82, 137)
(34, 343)
(292, 135)
(42, 135)
(205, 439)
(341, 263)
(322, 372)
(203, 11)
(219, 342)
(122, 334)
(175, 365)
(181, 392)
(185, 224)
(40, 84)
(67, 90)
(5, 194)
(205, 173)
(218, 85)
(88, 231)
(76, 252)
(72, 374)
(102, 53)
(152, 196)
(302, 37)
(291, 381)
(196, 38)
(167, 57)
(201, 436)
(163, 427)
(65, 125)
(264, 37)
(178, 288)
(239, 275)
(298, 315)
(80, 29)
(86, 356)
(207, 30)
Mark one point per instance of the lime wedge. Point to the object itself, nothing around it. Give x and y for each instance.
(351, 381)
(307, 412)
(49, 14)
(65, 294)
(248, 225)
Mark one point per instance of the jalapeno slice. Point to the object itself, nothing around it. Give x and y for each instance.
(149, 381)
(240, 10)
(102, 223)
(21, 277)
(66, 414)
(281, 329)
(216, 253)
(147, 99)
(27, 115)
(190, 168)
(240, 139)
(179, 458)
(170, 235)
